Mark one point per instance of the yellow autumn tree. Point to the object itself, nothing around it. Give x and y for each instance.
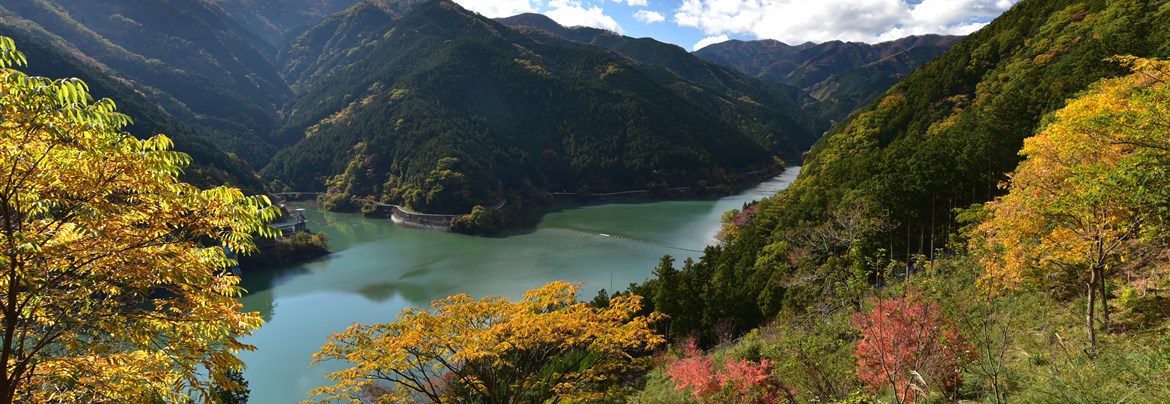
(112, 271)
(545, 346)
(1092, 192)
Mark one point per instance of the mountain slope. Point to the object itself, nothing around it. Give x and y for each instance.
(189, 57)
(443, 109)
(840, 77)
(669, 64)
(210, 166)
(273, 19)
(278, 21)
(884, 185)
(316, 52)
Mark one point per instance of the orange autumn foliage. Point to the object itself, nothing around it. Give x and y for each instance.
(1090, 195)
(545, 346)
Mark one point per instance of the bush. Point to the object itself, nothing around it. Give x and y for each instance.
(739, 381)
(908, 346)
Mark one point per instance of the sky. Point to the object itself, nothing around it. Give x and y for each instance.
(693, 24)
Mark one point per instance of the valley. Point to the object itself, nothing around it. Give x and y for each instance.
(374, 102)
(978, 217)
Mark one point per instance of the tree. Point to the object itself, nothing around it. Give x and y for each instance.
(113, 281)
(544, 346)
(234, 394)
(1091, 194)
(736, 381)
(908, 346)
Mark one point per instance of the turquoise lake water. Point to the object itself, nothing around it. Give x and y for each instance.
(378, 268)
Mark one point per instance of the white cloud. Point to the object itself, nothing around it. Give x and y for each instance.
(648, 16)
(633, 3)
(799, 21)
(572, 13)
(498, 8)
(711, 40)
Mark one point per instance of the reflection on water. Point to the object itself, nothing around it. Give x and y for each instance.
(377, 269)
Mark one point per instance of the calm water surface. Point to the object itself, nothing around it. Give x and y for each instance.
(378, 268)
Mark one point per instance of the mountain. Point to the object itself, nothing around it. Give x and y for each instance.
(840, 77)
(210, 165)
(886, 184)
(188, 57)
(667, 63)
(443, 109)
(278, 21)
(316, 52)
(272, 20)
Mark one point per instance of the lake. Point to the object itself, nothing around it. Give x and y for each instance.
(378, 268)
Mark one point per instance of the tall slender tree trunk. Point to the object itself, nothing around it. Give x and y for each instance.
(9, 377)
(909, 262)
(1089, 312)
(933, 199)
(1104, 299)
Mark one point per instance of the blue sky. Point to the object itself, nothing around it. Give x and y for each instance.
(696, 23)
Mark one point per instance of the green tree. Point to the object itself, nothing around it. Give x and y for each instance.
(113, 281)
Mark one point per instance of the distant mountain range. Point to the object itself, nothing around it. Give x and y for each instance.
(426, 104)
(838, 77)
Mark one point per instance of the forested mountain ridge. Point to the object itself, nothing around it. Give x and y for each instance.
(188, 57)
(272, 20)
(315, 53)
(883, 187)
(674, 67)
(211, 166)
(838, 77)
(443, 109)
(279, 21)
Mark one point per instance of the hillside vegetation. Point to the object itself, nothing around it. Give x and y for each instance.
(210, 166)
(1055, 286)
(442, 110)
(189, 58)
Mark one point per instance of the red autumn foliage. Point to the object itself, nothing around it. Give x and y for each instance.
(694, 371)
(904, 335)
(741, 381)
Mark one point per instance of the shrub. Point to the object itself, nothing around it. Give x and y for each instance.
(739, 381)
(907, 345)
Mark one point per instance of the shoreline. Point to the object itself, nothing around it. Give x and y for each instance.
(529, 213)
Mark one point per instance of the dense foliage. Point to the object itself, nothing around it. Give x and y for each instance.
(1089, 203)
(544, 347)
(113, 273)
(742, 381)
(881, 190)
(298, 247)
(520, 114)
(908, 347)
(1078, 243)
